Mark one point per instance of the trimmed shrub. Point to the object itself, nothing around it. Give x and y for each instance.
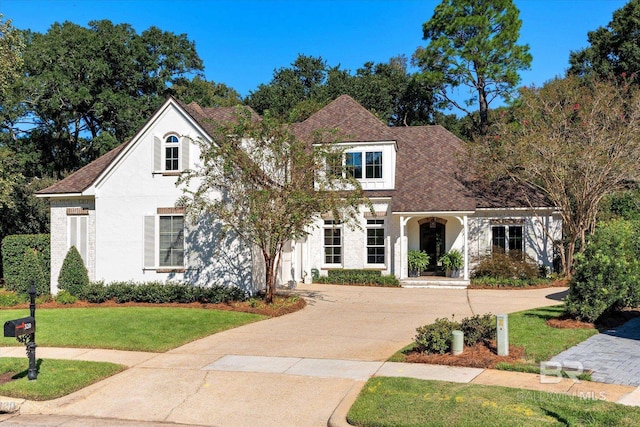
(607, 273)
(73, 274)
(436, 337)
(11, 298)
(32, 272)
(511, 265)
(492, 282)
(478, 328)
(17, 274)
(358, 277)
(65, 297)
(94, 293)
(160, 293)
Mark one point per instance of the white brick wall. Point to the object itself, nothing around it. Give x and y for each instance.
(60, 236)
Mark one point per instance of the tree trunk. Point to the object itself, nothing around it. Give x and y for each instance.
(269, 279)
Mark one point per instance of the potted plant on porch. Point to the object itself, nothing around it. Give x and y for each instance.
(417, 261)
(451, 261)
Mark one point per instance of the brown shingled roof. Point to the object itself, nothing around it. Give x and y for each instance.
(355, 122)
(82, 179)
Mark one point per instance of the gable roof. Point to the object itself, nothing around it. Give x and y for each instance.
(84, 177)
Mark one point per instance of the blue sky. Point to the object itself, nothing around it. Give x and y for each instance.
(242, 42)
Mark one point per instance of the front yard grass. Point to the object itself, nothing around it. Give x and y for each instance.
(153, 329)
(56, 378)
(541, 342)
(401, 402)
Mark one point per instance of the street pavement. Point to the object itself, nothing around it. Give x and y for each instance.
(302, 369)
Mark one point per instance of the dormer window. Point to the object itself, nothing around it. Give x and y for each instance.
(171, 153)
(372, 165)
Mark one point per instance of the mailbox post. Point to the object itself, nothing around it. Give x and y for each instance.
(24, 330)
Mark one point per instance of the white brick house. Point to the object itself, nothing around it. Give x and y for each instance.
(120, 209)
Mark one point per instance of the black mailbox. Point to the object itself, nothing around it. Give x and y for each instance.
(19, 327)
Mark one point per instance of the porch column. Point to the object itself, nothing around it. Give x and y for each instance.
(465, 224)
(403, 248)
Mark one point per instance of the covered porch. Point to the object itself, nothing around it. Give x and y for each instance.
(435, 233)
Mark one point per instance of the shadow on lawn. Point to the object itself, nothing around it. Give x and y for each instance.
(23, 374)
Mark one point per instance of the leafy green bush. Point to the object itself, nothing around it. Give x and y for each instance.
(11, 298)
(33, 274)
(493, 282)
(73, 274)
(436, 337)
(94, 292)
(17, 274)
(507, 265)
(358, 277)
(65, 297)
(607, 273)
(160, 293)
(478, 328)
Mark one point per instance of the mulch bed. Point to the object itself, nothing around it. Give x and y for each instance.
(608, 321)
(477, 356)
(7, 377)
(280, 306)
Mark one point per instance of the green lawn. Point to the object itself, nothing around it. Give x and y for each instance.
(541, 342)
(406, 402)
(55, 377)
(154, 329)
(528, 329)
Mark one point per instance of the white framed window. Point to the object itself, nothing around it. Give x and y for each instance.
(506, 238)
(332, 242)
(164, 241)
(372, 164)
(375, 241)
(171, 153)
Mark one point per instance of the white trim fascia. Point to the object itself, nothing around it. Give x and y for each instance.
(538, 208)
(348, 144)
(433, 213)
(61, 195)
(134, 140)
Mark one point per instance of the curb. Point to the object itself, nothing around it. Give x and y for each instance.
(339, 416)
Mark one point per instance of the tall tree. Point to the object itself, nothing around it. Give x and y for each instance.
(613, 52)
(473, 43)
(290, 86)
(270, 185)
(11, 45)
(205, 93)
(574, 141)
(89, 89)
(387, 89)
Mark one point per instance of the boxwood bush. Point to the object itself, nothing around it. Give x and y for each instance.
(73, 274)
(17, 272)
(357, 277)
(160, 293)
(436, 337)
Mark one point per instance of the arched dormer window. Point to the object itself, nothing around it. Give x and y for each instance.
(172, 153)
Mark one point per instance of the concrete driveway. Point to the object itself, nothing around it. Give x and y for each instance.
(339, 323)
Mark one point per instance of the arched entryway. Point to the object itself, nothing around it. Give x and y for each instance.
(432, 240)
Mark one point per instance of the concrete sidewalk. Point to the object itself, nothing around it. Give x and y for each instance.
(301, 369)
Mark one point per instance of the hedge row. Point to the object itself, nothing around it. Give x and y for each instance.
(26, 257)
(159, 293)
(358, 277)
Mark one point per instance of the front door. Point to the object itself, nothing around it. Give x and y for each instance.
(432, 242)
